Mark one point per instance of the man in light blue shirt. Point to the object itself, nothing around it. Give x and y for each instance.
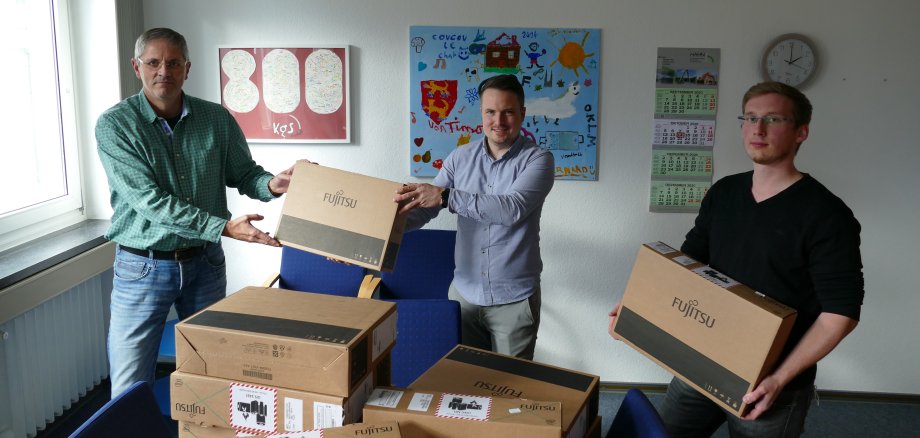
(496, 186)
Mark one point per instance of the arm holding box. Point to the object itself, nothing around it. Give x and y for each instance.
(823, 336)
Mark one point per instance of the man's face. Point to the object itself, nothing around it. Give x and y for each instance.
(502, 116)
(777, 142)
(162, 85)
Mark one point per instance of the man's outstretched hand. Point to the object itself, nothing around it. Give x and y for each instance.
(241, 228)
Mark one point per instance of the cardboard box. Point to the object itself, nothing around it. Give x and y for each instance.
(389, 429)
(717, 335)
(343, 215)
(433, 414)
(216, 402)
(595, 430)
(468, 370)
(297, 340)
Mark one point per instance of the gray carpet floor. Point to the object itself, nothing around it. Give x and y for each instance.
(831, 416)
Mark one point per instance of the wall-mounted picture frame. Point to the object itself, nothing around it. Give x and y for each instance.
(559, 69)
(288, 94)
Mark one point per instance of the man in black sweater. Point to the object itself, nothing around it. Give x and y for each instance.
(782, 233)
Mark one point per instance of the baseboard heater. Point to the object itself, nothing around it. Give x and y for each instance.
(53, 340)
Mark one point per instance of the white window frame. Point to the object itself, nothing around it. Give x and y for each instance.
(25, 224)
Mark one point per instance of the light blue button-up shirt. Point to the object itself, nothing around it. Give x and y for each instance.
(498, 204)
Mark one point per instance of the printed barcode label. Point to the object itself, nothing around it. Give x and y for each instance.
(257, 374)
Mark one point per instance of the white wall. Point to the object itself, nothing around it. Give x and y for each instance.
(861, 144)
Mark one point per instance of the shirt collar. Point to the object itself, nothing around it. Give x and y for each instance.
(515, 147)
(151, 116)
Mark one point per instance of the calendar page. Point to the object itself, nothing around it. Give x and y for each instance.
(672, 132)
(674, 101)
(672, 196)
(679, 163)
(686, 103)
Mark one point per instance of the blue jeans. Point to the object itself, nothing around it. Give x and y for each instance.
(143, 291)
(687, 413)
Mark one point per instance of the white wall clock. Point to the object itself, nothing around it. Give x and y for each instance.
(791, 59)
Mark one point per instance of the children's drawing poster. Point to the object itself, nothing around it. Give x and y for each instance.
(560, 72)
(287, 94)
(686, 100)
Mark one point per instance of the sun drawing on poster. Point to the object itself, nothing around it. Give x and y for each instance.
(572, 55)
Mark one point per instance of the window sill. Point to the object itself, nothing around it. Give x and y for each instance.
(28, 259)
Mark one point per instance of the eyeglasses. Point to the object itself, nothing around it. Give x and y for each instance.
(154, 64)
(767, 120)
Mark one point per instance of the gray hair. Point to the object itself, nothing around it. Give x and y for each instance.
(160, 33)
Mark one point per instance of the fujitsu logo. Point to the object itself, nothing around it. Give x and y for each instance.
(373, 430)
(537, 407)
(691, 310)
(191, 408)
(499, 389)
(339, 198)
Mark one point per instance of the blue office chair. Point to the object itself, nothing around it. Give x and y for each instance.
(637, 418)
(424, 266)
(308, 272)
(133, 413)
(168, 342)
(427, 323)
(167, 354)
(426, 330)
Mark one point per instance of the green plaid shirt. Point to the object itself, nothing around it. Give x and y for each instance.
(169, 191)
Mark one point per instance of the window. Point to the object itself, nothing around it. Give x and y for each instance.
(39, 168)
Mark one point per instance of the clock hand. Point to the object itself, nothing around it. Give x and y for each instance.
(790, 62)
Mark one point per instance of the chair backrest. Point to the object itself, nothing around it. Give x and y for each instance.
(133, 413)
(637, 417)
(426, 331)
(424, 266)
(308, 272)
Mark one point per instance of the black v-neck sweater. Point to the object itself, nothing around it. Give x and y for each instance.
(800, 247)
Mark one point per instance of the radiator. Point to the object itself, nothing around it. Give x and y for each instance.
(53, 354)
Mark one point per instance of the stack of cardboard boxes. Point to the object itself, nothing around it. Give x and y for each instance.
(265, 361)
(271, 362)
(282, 363)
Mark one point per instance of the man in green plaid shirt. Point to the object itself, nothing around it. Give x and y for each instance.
(169, 158)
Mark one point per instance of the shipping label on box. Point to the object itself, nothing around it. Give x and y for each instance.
(298, 340)
(216, 402)
(432, 414)
(343, 215)
(388, 429)
(468, 370)
(716, 334)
